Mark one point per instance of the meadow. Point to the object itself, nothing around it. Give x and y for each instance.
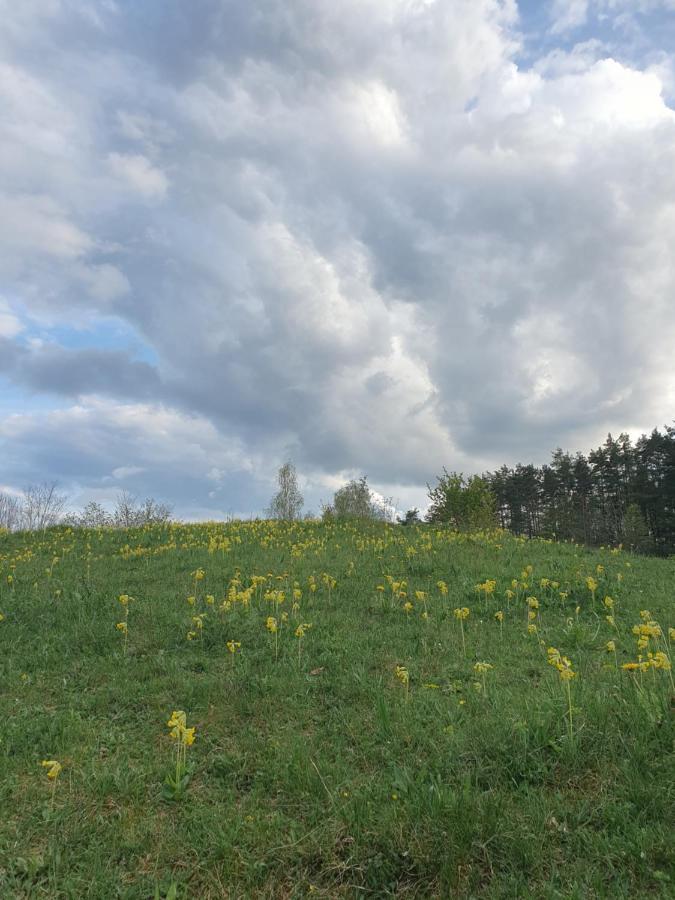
(378, 711)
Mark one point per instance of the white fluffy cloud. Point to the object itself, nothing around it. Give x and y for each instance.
(368, 236)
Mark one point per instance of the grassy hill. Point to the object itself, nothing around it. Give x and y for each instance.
(318, 767)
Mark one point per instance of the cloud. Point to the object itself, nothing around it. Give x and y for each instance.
(367, 236)
(569, 14)
(140, 174)
(10, 325)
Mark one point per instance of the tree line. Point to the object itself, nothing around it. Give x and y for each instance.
(620, 493)
(42, 506)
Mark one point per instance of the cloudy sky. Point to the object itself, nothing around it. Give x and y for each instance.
(372, 236)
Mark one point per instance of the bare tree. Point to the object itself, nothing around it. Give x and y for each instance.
(41, 506)
(288, 501)
(92, 516)
(10, 511)
(129, 513)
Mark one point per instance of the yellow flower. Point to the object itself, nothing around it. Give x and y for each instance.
(271, 624)
(124, 600)
(402, 674)
(610, 646)
(609, 603)
(233, 646)
(531, 615)
(442, 587)
(121, 626)
(482, 667)
(177, 723)
(661, 661)
(531, 629)
(407, 606)
(420, 595)
(533, 603)
(210, 599)
(302, 629)
(462, 613)
(53, 768)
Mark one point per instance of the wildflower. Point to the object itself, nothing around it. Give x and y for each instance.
(233, 646)
(184, 738)
(53, 767)
(482, 668)
(210, 599)
(592, 585)
(660, 661)
(499, 616)
(610, 646)
(191, 601)
(566, 673)
(271, 624)
(442, 587)
(124, 600)
(122, 626)
(608, 602)
(462, 613)
(531, 629)
(402, 675)
(408, 607)
(177, 723)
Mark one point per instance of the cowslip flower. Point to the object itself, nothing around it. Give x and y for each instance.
(53, 767)
(482, 668)
(403, 676)
(461, 613)
(566, 673)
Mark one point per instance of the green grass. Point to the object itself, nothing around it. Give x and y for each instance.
(315, 776)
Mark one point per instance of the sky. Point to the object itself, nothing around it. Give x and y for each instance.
(374, 237)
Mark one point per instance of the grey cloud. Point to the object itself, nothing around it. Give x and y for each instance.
(359, 234)
(56, 370)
